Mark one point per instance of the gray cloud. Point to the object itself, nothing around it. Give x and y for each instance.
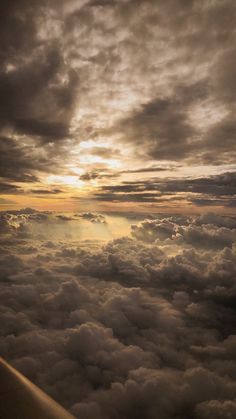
(94, 218)
(37, 89)
(8, 188)
(58, 59)
(149, 169)
(36, 99)
(130, 328)
(17, 162)
(162, 127)
(212, 190)
(98, 174)
(51, 191)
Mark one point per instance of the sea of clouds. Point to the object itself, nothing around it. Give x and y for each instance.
(141, 326)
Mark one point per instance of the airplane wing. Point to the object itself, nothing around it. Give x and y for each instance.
(21, 399)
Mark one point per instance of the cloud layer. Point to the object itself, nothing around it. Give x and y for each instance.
(140, 326)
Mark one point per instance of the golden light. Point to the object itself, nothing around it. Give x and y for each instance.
(66, 180)
(88, 159)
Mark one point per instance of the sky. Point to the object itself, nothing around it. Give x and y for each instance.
(117, 207)
(122, 105)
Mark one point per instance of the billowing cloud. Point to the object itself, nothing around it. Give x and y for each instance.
(142, 325)
(94, 218)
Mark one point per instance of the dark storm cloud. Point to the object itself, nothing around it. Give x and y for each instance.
(220, 140)
(51, 130)
(131, 328)
(162, 130)
(17, 27)
(34, 98)
(37, 90)
(18, 162)
(162, 127)
(224, 68)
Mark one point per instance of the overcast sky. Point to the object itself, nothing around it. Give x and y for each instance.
(118, 105)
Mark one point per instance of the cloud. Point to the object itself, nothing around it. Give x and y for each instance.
(37, 100)
(217, 409)
(141, 325)
(212, 190)
(8, 188)
(37, 88)
(89, 176)
(216, 220)
(98, 174)
(204, 236)
(137, 324)
(24, 161)
(136, 77)
(162, 127)
(220, 140)
(94, 218)
(149, 169)
(177, 77)
(162, 130)
(46, 191)
(18, 163)
(150, 230)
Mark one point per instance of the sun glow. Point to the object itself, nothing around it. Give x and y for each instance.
(97, 159)
(66, 180)
(88, 144)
